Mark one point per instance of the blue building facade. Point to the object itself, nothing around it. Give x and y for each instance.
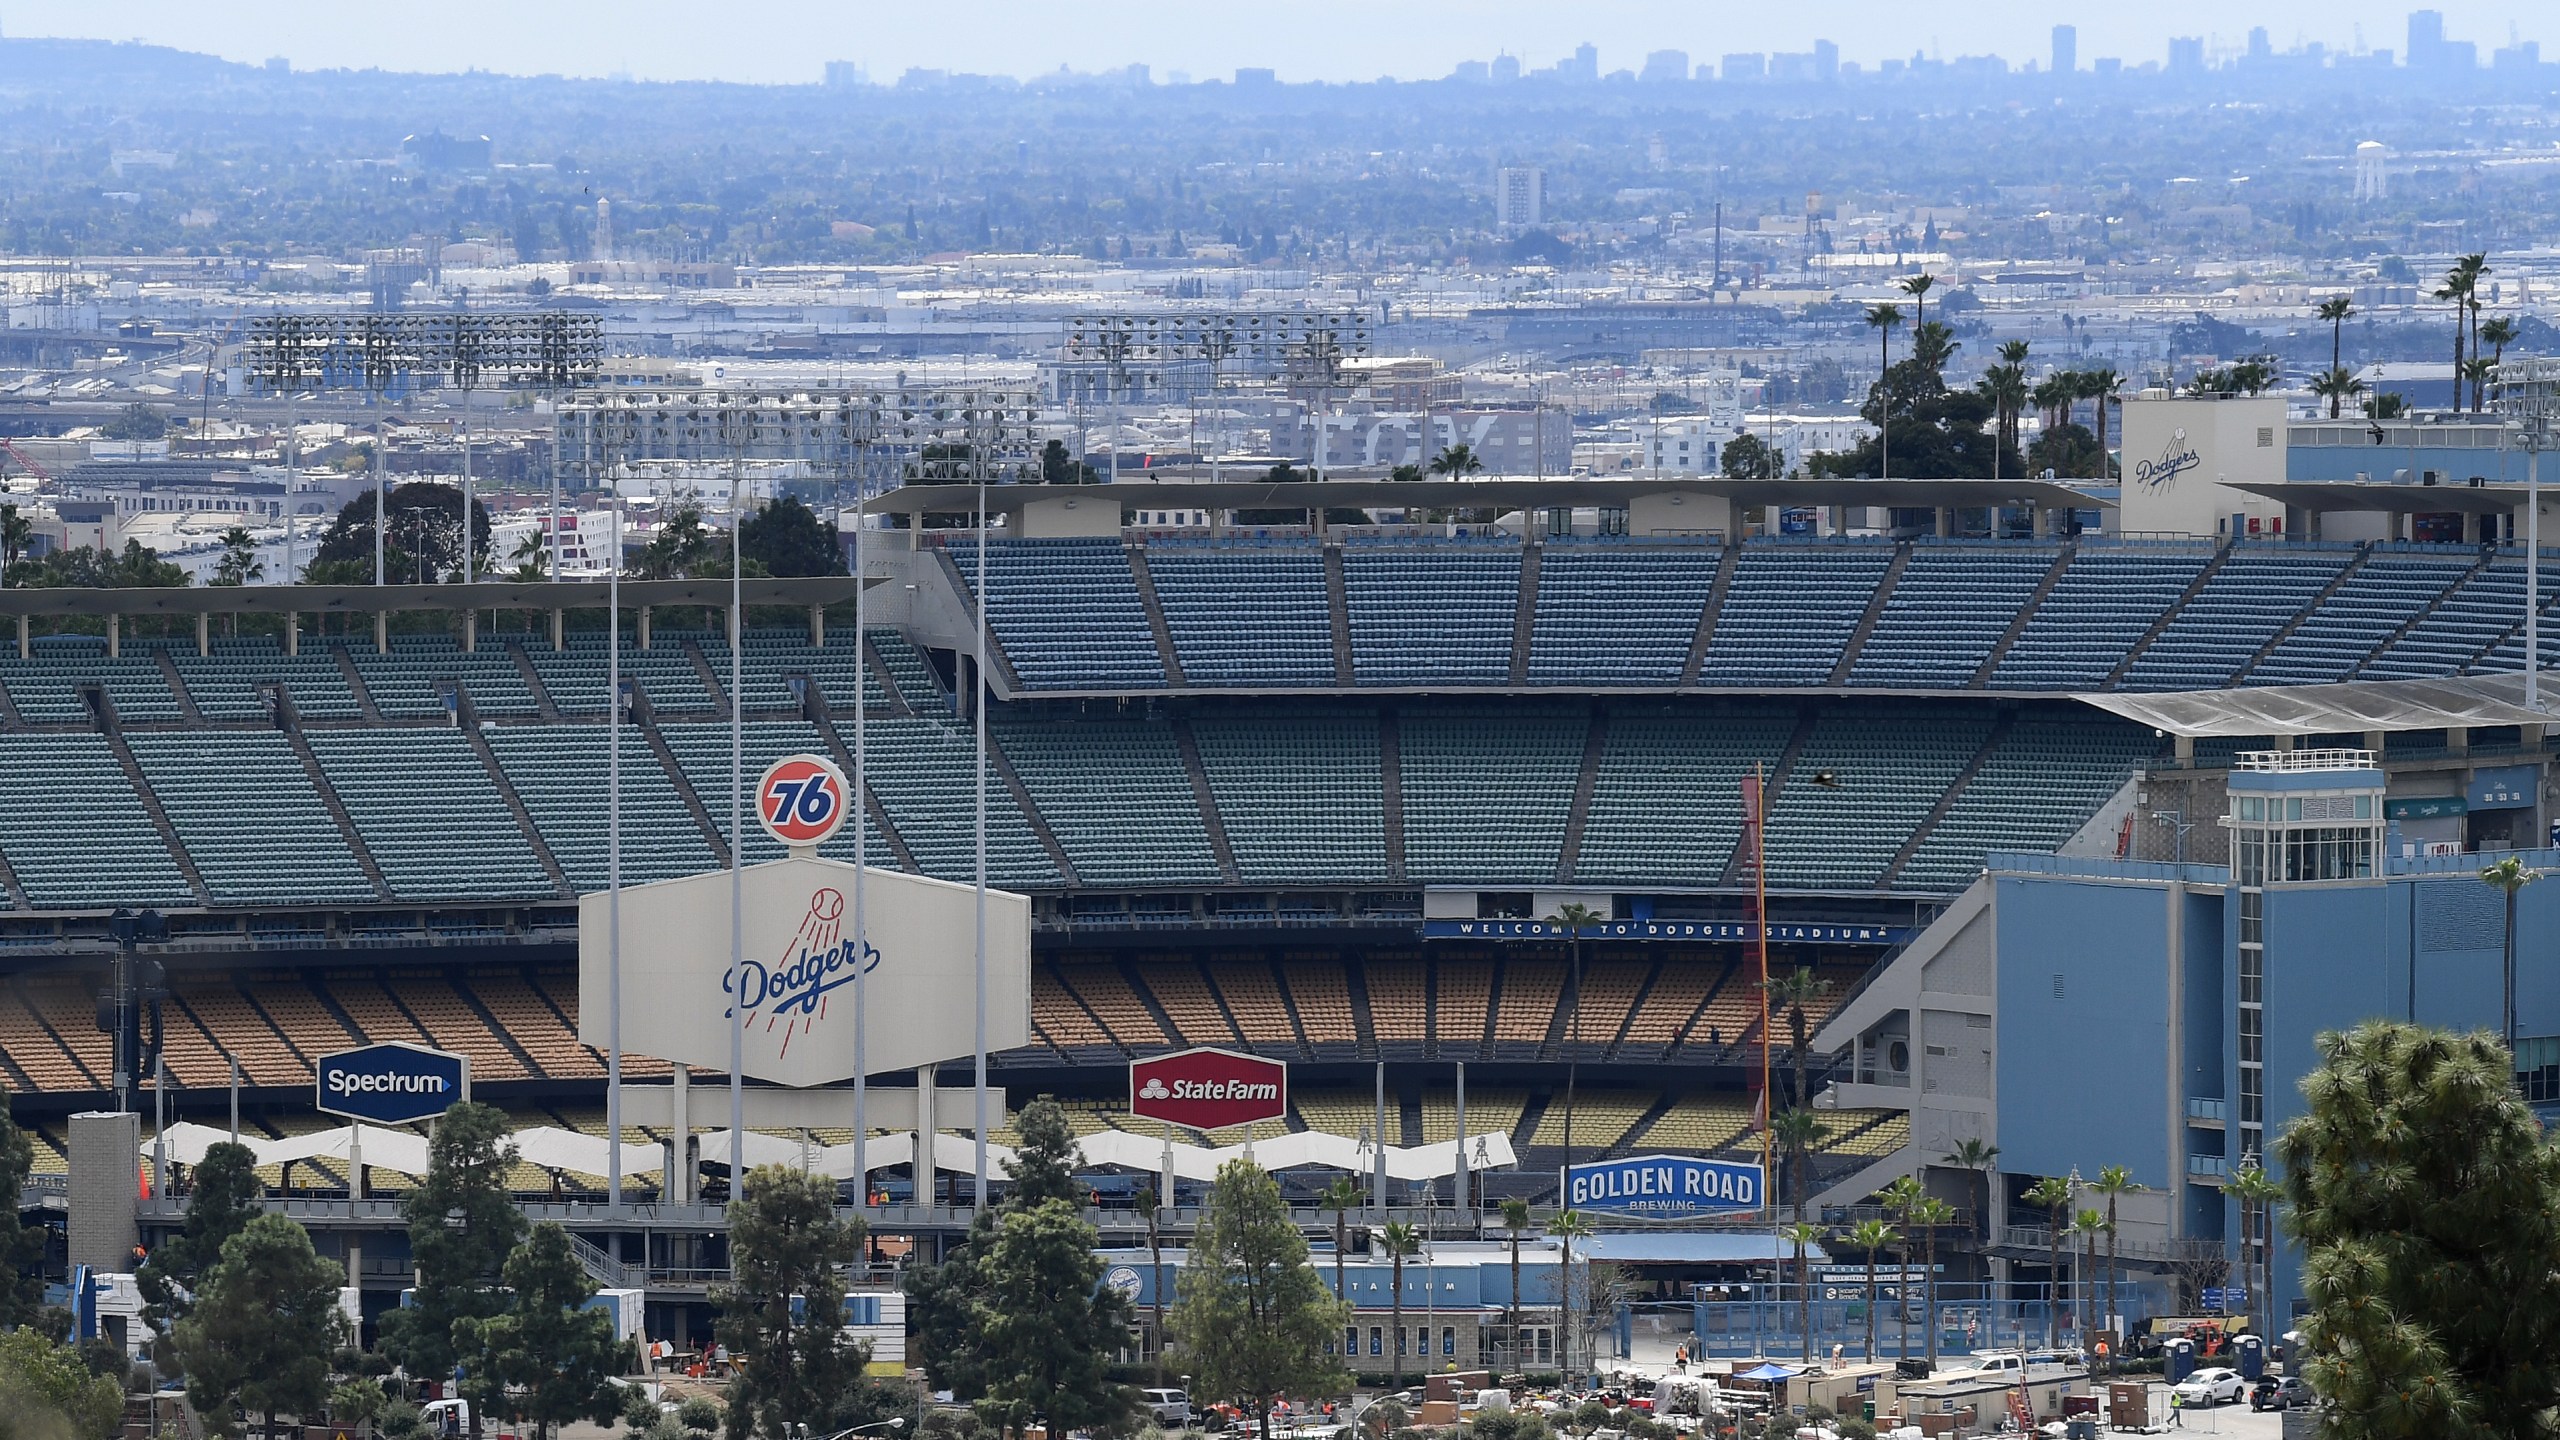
(2161, 1017)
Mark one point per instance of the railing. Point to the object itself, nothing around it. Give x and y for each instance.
(2208, 1167)
(1999, 862)
(603, 1267)
(2166, 1252)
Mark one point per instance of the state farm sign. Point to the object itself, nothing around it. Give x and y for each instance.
(1208, 1089)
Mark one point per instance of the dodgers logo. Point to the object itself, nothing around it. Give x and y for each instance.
(791, 996)
(2175, 457)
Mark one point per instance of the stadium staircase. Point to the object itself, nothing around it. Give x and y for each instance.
(2169, 614)
(1595, 743)
(1156, 625)
(1391, 789)
(1189, 748)
(1524, 618)
(2427, 611)
(1337, 601)
(1012, 781)
(507, 794)
(2328, 592)
(1696, 661)
(2026, 613)
(645, 721)
(1857, 641)
(105, 710)
(1928, 825)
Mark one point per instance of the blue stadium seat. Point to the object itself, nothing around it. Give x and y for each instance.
(2104, 601)
(1066, 613)
(1951, 605)
(1245, 615)
(1790, 611)
(1619, 616)
(1431, 615)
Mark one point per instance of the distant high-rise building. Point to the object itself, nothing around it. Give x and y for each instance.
(2066, 49)
(2426, 37)
(1585, 64)
(1826, 61)
(1753, 66)
(604, 228)
(2107, 65)
(2259, 49)
(1474, 72)
(1506, 68)
(2186, 52)
(2522, 55)
(2371, 183)
(846, 74)
(1519, 197)
(1256, 78)
(1665, 65)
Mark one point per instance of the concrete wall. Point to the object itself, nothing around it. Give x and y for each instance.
(2179, 452)
(2084, 1032)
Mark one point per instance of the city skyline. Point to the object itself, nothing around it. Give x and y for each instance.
(1422, 40)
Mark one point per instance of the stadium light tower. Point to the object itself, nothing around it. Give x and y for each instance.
(2528, 390)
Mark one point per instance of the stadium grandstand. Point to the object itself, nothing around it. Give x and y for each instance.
(1268, 792)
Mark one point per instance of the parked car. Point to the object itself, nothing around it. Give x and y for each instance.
(2210, 1387)
(2279, 1392)
(1167, 1407)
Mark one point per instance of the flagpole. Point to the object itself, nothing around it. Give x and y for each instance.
(861, 853)
(978, 702)
(612, 864)
(737, 846)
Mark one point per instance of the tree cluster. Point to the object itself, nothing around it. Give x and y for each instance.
(1017, 1321)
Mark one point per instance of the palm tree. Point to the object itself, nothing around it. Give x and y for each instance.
(1899, 1199)
(2087, 1224)
(2498, 334)
(2052, 398)
(1573, 916)
(2509, 876)
(1153, 1204)
(1801, 1235)
(2389, 405)
(2477, 370)
(2335, 310)
(1399, 1240)
(1928, 1217)
(1791, 992)
(2113, 1181)
(1456, 463)
(1883, 318)
(17, 533)
(2251, 376)
(1795, 1133)
(2460, 284)
(2337, 383)
(2005, 386)
(1517, 1220)
(1918, 287)
(1933, 345)
(2052, 1194)
(2101, 385)
(1341, 1197)
(1567, 1226)
(1871, 1236)
(2257, 1196)
(1977, 1155)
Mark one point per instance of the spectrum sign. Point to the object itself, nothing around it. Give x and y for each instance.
(1208, 1089)
(392, 1084)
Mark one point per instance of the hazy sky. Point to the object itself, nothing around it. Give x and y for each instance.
(788, 40)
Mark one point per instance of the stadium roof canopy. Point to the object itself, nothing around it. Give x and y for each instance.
(2389, 496)
(1195, 492)
(2353, 708)
(366, 599)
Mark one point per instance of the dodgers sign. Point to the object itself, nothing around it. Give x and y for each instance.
(392, 1084)
(1663, 1185)
(801, 800)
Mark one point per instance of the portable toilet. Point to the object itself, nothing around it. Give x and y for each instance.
(2249, 1356)
(2178, 1359)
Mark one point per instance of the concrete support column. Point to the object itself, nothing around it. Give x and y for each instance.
(817, 627)
(2040, 522)
(2186, 752)
(1946, 523)
(927, 1123)
(470, 632)
(381, 632)
(2284, 744)
(115, 636)
(26, 644)
(204, 634)
(293, 632)
(644, 627)
(2373, 740)
(2457, 740)
(559, 640)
